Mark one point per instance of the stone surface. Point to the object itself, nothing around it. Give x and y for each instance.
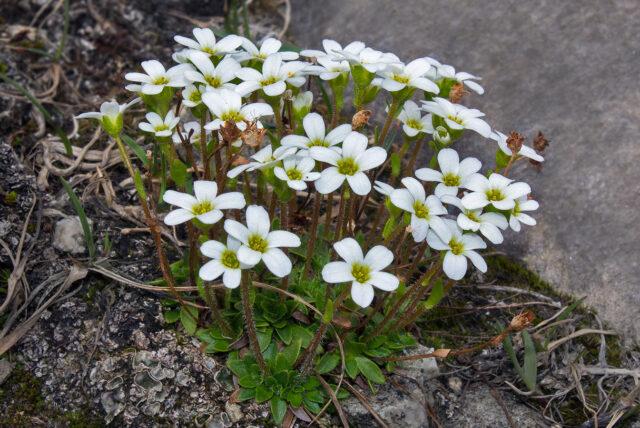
(546, 65)
(68, 235)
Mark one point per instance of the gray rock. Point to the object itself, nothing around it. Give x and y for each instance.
(68, 235)
(546, 65)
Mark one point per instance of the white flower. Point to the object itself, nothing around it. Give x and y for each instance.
(459, 248)
(371, 59)
(364, 272)
(295, 170)
(383, 188)
(192, 128)
(329, 69)
(224, 262)
(213, 76)
(334, 50)
(458, 116)
(452, 174)
(517, 216)
(263, 158)
(348, 165)
(425, 210)
(260, 244)
(396, 77)
(158, 126)
(314, 129)
(302, 103)
(268, 47)
(206, 206)
(274, 76)
(497, 190)
(192, 95)
(156, 78)
(413, 122)
(467, 79)
(110, 115)
(226, 105)
(205, 41)
(525, 151)
(489, 224)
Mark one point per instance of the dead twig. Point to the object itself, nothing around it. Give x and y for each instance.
(553, 345)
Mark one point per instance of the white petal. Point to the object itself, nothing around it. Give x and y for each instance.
(475, 200)
(378, 258)
(371, 158)
(415, 188)
(230, 200)
(362, 294)
(469, 166)
(182, 200)
(359, 183)
(314, 126)
(466, 223)
(419, 228)
(527, 219)
(324, 154)
(454, 266)
(277, 262)
(258, 220)
(448, 160)
(212, 249)
(282, 238)
(329, 180)
(471, 241)
(337, 135)
(384, 281)
(178, 216)
(275, 88)
(237, 230)
(403, 199)
(515, 190)
(211, 270)
(210, 217)
(428, 174)
(205, 190)
(492, 233)
(435, 242)
(336, 272)
(349, 250)
(355, 144)
(231, 278)
(248, 256)
(505, 204)
(477, 260)
(476, 183)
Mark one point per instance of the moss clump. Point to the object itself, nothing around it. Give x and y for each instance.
(21, 401)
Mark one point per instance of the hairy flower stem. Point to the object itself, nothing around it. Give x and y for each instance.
(416, 260)
(408, 171)
(338, 234)
(317, 200)
(327, 215)
(377, 219)
(203, 147)
(152, 222)
(217, 156)
(416, 309)
(348, 216)
(306, 359)
(507, 168)
(273, 201)
(193, 254)
(249, 321)
(393, 108)
(247, 187)
(288, 105)
(216, 313)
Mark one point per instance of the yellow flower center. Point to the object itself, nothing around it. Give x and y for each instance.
(208, 50)
(456, 246)
(347, 166)
(202, 207)
(414, 123)
(495, 195)
(229, 259)
(161, 127)
(451, 179)
(233, 116)
(160, 80)
(421, 210)
(258, 243)
(213, 81)
(516, 209)
(317, 143)
(361, 272)
(294, 174)
(401, 79)
(472, 216)
(456, 119)
(269, 81)
(195, 96)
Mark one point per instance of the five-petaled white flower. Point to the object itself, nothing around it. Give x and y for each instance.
(413, 123)
(224, 262)
(396, 77)
(205, 41)
(295, 170)
(525, 151)
(349, 164)
(497, 190)
(268, 47)
(263, 158)
(364, 272)
(314, 129)
(191, 129)
(260, 244)
(457, 116)
(110, 115)
(192, 95)
(371, 59)
(452, 174)
(467, 79)
(334, 50)
(156, 77)
(158, 126)
(425, 210)
(205, 206)
(329, 69)
(517, 215)
(488, 224)
(458, 249)
(226, 105)
(214, 76)
(274, 76)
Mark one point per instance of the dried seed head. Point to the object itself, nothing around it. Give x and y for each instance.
(360, 119)
(540, 143)
(253, 136)
(457, 92)
(521, 321)
(229, 131)
(515, 141)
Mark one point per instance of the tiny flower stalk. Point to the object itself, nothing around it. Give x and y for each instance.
(312, 233)
(247, 307)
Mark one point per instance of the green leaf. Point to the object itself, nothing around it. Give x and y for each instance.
(137, 149)
(285, 333)
(217, 345)
(508, 347)
(327, 363)
(84, 221)
(178, 172)
(263, 393)
(291, 352)
(294, 398)
(437, 293)
(530, 368)
(251, 380)
(370, 370)
(389, 227)
(351, 366)
(189, 319)
(395, 164)
(278, 409)
(264, 338)
(299, 332)
(246, 394)
(502, 159)
(314, 395)
(171, 316)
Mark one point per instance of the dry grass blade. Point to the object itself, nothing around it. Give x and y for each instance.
(334, 400)
(366, 404)
(553, 345)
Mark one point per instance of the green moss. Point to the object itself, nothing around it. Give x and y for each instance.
(21, 400)
(10, 198)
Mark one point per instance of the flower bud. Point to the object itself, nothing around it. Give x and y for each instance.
(441, 135)
(111, 118)
(302, 103)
